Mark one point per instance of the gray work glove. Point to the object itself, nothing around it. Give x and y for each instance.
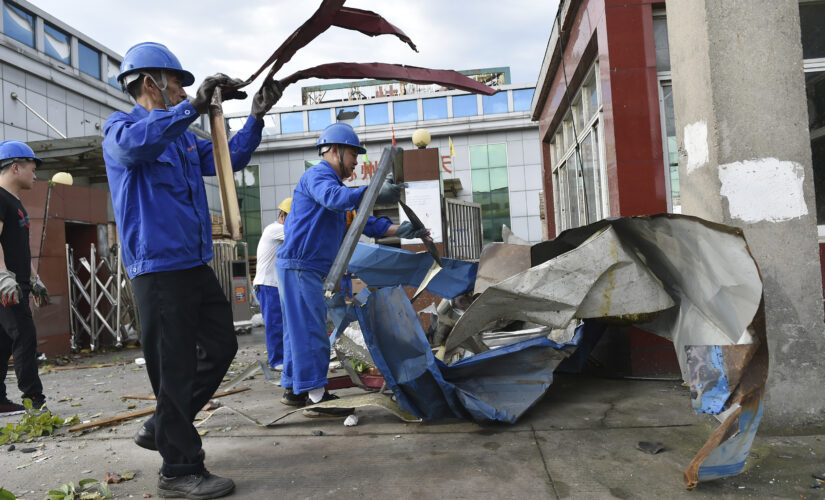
(390, 193)
(9, 289)
(407, 231)
(263, 100)
(204, 95)
(39, 292)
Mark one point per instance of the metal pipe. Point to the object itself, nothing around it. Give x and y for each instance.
(390, 156)
(17, 98)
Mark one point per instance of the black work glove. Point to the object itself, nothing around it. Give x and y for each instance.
(39, 292)
(407, 231)
(204, 95)
(266, 97)
(390, 193)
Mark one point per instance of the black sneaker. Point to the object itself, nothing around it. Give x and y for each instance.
(195, 486)
(327, 412)
(291, 399)
(145, 438)
(7, 408)
(38, 406)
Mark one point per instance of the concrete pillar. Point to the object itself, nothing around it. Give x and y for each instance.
(745, 160)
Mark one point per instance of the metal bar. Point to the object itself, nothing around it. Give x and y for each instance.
(93, 300)
(390, 156)
(119, 306)
(69, 274)
(15, 97)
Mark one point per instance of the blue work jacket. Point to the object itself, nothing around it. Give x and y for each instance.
(155, 168)
(317, 220)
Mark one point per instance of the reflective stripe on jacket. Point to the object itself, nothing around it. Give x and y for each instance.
(317, 220)
(155, 168)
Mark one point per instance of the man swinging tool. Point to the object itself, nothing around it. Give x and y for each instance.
(155, 168)
(314, 230)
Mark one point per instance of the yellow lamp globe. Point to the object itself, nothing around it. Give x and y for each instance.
(421, 138)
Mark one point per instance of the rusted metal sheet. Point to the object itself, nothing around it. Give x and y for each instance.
(384, 71)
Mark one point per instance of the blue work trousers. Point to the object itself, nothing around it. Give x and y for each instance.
(306, 343)
(270, 302)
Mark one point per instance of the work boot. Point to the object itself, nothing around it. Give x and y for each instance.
(291, 399)
(327, 412)
(7, 408)
(195, 486)
(145, 438)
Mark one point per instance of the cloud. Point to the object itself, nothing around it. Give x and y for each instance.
(237, 37)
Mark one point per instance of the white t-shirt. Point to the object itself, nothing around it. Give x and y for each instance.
(271, 239)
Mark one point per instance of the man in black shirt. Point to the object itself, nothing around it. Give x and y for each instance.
(17, 279)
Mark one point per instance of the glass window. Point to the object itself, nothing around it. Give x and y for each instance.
(18, 24)
(815, 89)
(88, 60)
(310, 163)
(319, 119)
(356, 122)
(435, 108)
(112, 72)
(488, 165)
(405, 111)
(522, 99)
(292, 122)
(593, 93)
(465, 105)
(661, 43)
(497, 155)
(812, 24)
(249, 200)
(57, 44)
(496, 103)
(376, 114)
(578, 115)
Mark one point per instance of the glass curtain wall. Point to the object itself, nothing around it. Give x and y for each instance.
(488, 165)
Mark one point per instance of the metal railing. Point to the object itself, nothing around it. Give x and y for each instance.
(224, 253)
(462, 229)
(100, 299)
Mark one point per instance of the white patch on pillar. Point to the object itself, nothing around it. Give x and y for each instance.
(764, 190)
(696, 145)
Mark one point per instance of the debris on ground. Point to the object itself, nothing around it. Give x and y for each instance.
(683, 278)
(86, 489)
(652, 447)
(33, 424)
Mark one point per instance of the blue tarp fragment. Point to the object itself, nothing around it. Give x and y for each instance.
(381, 266)
(497, 385)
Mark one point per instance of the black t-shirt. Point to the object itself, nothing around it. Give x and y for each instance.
(15, 236)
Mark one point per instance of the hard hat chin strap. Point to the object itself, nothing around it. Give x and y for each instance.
(166, 99)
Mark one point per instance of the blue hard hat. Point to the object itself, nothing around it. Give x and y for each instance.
(340, 133)
(9, 150)
(151, 55)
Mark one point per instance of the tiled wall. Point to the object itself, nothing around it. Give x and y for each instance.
(280, 171)
(70, 112)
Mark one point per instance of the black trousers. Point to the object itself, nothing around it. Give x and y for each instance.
(19, 337)
(189, 342)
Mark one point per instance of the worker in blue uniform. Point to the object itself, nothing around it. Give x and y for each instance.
(155, 167)
(314, 230)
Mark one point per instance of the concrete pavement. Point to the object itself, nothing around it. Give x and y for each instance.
(578, 442)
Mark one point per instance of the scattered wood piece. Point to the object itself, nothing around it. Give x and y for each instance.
(84, 367)
(139, 413)
(151, 397)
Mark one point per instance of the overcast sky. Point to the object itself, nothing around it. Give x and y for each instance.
(236, 37)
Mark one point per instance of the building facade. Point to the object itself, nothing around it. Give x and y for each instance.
(495, 162)
(645, 107)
